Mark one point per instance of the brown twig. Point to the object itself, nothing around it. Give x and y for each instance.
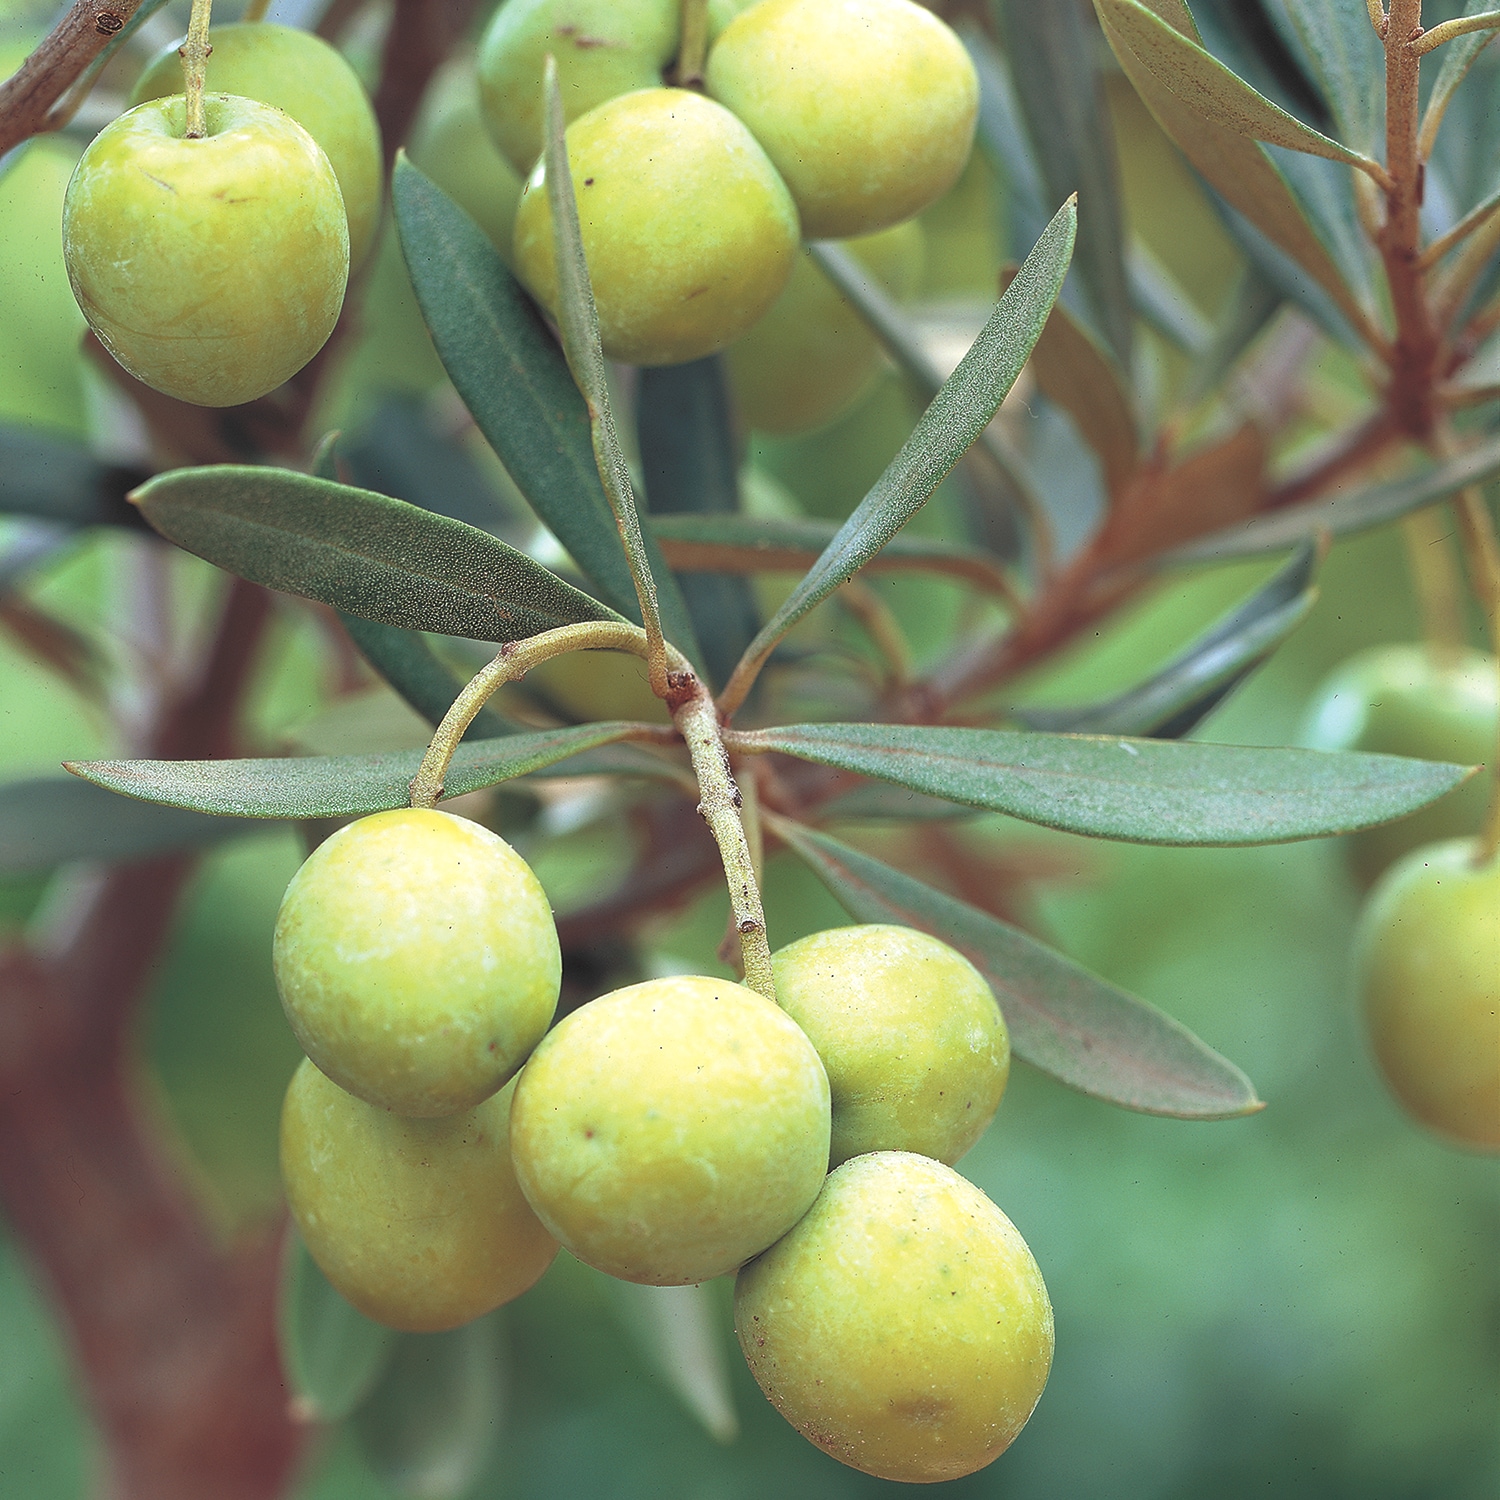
(30, 99)
(1414, 352)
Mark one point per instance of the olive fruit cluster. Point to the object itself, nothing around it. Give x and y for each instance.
(213, 267)
(439, 1142)
(820, 120)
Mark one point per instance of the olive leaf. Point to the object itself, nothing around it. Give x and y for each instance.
(1137, 791)
(685, 432)
(361, 552)
(960, 411)
(337, 786)
(1334, 40)
(430, 1424)
(1208, 88)
(1458, 57)
(678, 1329)
(1082, 378)
(59, 480)
(1158, 297)
(331, 1352)
(1176, 699)
(47, 821)
(1347, 513)
(409, 664)
(1061, 96)
(399, 453)
(1082, 1030)
(1231, 162)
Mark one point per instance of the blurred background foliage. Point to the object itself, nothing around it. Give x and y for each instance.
(1305, 1303)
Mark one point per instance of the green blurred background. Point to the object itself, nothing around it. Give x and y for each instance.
(1305, 1303)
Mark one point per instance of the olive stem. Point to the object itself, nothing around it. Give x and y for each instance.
(693, 48)
(578, 322)
(513, 660)
(256, 10)
(194, 53)
(696, 720)
(719, 802)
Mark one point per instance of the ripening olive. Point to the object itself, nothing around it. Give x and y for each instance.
(903, 1325)
(300, 73)
(213, 268)
(689, 233)
(667, 1132)
(603, 48)
(1427, 960)
(417, 960)
(419, 1223)
(1418, 701)
(867, 107)
(916, 1051)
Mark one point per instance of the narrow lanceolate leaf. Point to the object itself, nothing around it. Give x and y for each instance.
(678, 1329)
(1062, 1019)
(1458, 58)
(1345, 514)
(958, 414)
(336, 786)
(1061, 94)
(1175, 700)
(684, 424)
(1231, 162)
(413, 669)
(47, 821)
(1161, 300)
(1003, 139)
(514, 380)
(1209, 89)
(361, 552)
(60, 480)
(400, 452)
(332, 1353)
(430, 1424)
(1138, 791)
(1338, 46)
(759, 544)
(1085, 381)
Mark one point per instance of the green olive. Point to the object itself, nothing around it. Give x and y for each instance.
(667, 1132)
(812, 357)
(689, 233)
(903, 1325)
(417, 960)
(300, 73)
(866, 107)
(915, 1047)
(603, 48)
(1417, 701)
(419, 1223)
(1427, 959)
(213, 269)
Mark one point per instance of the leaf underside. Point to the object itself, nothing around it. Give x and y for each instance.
(1082, 1030)
(336, 786)
(1138, 791)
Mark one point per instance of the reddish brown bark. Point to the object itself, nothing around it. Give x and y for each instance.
(173, 1333)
